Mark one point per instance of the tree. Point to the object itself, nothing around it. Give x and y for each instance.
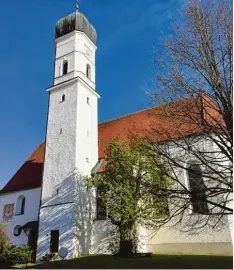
(11, 255)
(194, 79)
(125, 185)
(3, 246)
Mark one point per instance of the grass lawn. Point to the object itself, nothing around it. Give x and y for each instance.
(156, 261)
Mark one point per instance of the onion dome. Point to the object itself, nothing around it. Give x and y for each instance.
(75, 21)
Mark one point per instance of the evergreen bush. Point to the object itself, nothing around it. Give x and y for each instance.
(18, 255)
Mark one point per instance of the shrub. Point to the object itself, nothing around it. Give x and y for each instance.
(18, 255)
(11, 255)
(49, 257)
(3, 249)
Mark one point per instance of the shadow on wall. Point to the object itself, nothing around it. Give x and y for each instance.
(104, 237)
(58, 213)
(189, 223)
(61, 193)
(60, 218)
(72, 211)
(85, 211)
(91, 235)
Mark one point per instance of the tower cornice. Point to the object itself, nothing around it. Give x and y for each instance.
(71, 82)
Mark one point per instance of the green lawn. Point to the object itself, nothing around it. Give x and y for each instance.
(157, 261)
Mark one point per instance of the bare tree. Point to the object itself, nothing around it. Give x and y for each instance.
(193, 80)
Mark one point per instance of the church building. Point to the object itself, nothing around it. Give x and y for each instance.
(46, 203)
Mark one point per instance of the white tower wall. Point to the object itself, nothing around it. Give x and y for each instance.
(71, 143)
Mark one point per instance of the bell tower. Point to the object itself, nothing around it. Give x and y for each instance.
(72, 132)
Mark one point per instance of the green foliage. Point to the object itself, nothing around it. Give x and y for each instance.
(18, 255)
(127, 183)
(128, 180)
(3, 249)
(11, 255)
(49, 257)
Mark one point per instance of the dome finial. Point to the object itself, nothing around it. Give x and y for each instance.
(77, 5)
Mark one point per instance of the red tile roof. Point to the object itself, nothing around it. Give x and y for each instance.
(30, 173)
(154, 123)
(150, 122)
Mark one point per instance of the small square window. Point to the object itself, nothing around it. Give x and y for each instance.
(87, 160)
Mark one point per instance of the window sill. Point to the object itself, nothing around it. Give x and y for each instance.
(63, 75)
(19, 214)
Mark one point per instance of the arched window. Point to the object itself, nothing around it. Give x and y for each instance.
(63, 98)
(88, 71)
(197, 189)
(65, 67)
(20, 205)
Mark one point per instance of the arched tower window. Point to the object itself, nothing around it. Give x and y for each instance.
(197, 189)
(20, 205)
(88, 71)
(65, 67)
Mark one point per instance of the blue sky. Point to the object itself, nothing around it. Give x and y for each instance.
(127, 32)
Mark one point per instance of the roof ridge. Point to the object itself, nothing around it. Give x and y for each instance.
(37, 148)
(127, 115)
(150, 108)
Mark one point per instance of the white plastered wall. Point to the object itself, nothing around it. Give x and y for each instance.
(183, 233)
(31, 211)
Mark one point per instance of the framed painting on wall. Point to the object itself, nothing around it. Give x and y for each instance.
(8, 211)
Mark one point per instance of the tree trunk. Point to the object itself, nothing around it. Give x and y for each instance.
(127, 246)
